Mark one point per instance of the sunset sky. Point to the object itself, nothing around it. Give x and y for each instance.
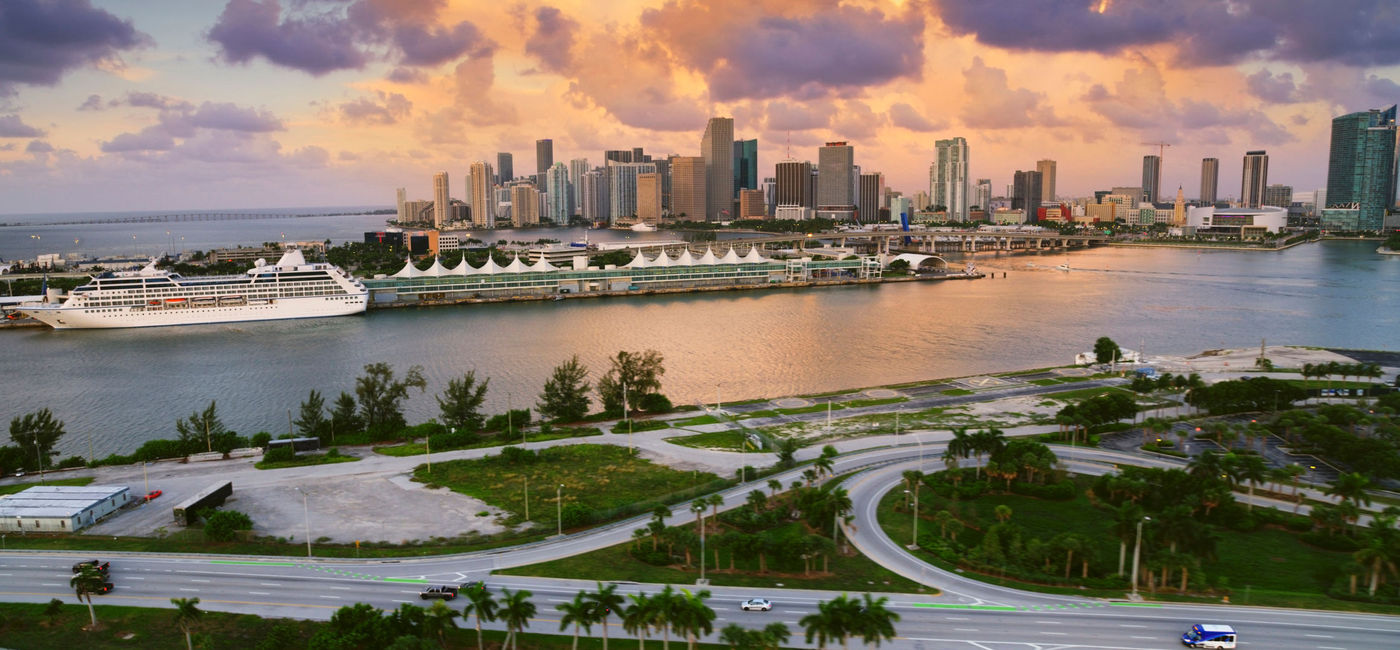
(170, 104)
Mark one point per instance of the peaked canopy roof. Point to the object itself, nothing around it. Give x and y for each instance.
(437, 270)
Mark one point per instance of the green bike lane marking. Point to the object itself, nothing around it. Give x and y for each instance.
(995, 608)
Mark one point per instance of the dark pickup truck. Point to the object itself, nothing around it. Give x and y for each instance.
(102, 567)
(444, 592)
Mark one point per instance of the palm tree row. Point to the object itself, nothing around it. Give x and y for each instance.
(1331, 368)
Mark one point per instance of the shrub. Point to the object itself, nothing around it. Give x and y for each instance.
(575, 515)
(1330, 542)
(517, 456)
(654, 558)
(222, 525)
(280, 454)
(261, 439)
(70, 462)
(158, 449)
(1062, 491)
(517, 419)
(655, 403)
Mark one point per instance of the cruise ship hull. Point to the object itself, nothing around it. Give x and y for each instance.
(62, 317)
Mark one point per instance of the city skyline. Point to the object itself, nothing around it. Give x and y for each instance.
(252, 103)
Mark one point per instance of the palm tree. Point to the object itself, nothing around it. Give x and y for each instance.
(604, 602)
(774, 636)
(639, 617)
(1206, 465)
(823, 465)
(775, 486)
(959, 447)
(664, 607)
(1003, 513)
(692, 616)
(1378, 557)
(516, 612)
(875, 622)
(736, 636)
(440, 618)
(715, 501)
(87, 581)
(757, 501)
(836, 619)
(1252, 469)
(484, 607)
(1351, 487)
(578, 613)
(187, 615)
(1125, 519)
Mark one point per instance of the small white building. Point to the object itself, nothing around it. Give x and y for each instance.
(60, 508)
(1239, 222)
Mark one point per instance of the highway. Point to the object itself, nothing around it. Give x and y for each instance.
(968, 614)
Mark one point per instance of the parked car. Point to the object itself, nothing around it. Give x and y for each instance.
(153, 494)
(105, 588)
(101, 566)
(443, 592)
(757, 605)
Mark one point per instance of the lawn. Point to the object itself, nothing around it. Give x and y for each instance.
(726, 440)
(418, 448)
(605, 479)
(1083, 393)
(20, 487)
(874, 402)
(696, 421)
(834, 406)
(307, 461)
(957, 392)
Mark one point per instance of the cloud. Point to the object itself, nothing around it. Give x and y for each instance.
(784, 116)
(41, 40)
(635, 84)
(92, 103)
(1381, 87)
(388, 108)
(151, 138)
(1138, 101)
(11, 126)
(348, 156)
(1278, 89)
(776, 48)
(38, 146)
(151, 100)
(406, 76)
(309, 157)
(990, 103)
(230, 117)
(185, 122)
(427, 46)
(553, 39)
(905, 116)
(856, 121)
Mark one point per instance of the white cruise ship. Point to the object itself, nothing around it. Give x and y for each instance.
(291, 288)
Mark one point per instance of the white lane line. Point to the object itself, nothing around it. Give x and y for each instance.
(260, 593)
(332, 597)
(197, 580)
(131, 578)
(6, 574)
(958, 618)
(1049, 623)
(184, 589)
(403, 601)
(964, 629)
(1144, 637)
(1126, 625)
(1056, 633)
(1318, 636)
(793, 611)
(558, 600)
(1329, 647)
(270, 584)
(341, 588)
(50, 584)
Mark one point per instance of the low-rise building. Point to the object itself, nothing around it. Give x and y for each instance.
(60, 508)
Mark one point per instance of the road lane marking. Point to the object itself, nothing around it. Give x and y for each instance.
(131, 578)
(402, 601)
(50, 584)
(958, 618)
(1318, 636)
(964, 629)
(185, 589)
(259, 593)
(197, 580)
(1056, 633)
(1049, 622)
(270, 584)
(1126, 625)
(341, 588)
(331, 597)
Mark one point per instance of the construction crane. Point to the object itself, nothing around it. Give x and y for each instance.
(1161, 147)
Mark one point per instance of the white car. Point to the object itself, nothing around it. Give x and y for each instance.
(757, 604)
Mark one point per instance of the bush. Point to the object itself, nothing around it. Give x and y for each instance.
(575, 515)
(222, 525)
(517, 456)
(517, 419)
(71, 462)
(654, 558)
(640, 425)
(1295, 523)
(655, 403)
(158, 449)
(280, 454)
(261, 439)
(1330, 542)
(1062, 491)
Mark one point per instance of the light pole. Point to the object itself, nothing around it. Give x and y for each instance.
(527, 498)
(1137, 552)
(919, 439)
(428, 450)
(145, 477)
(559, 508)
(702, 546)
(915, 543)
(306, 513)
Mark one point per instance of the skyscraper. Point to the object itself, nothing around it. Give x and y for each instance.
(595, 196)
(663, 173)
(835, 191)
(524, 205)
(649, 197)
(794, 183)
(441, 202)
(1210, 179)
(617, 156)
(1279, 196)
(1047, 180)
(745, 165)
(717, 148)
(505, 168)
(872, 190)
(559, 199)
(544, 156)
(1254, 178)
(401, 197)
(622, 188)
(1025, 194)
(688, 188)
(949, 182)
(1361, 168)
(577, 168)
(483, 198)
(984, 195)
(1151, 178)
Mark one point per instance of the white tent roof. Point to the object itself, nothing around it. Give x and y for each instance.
(490, 267)
(708, 259)
(730, 257)
(515, 266)
(685, 259)
(753, 257)
(638, 262)
(462, 268)
(662, 260)
(437, 270)
(541, 266)
(408, 270)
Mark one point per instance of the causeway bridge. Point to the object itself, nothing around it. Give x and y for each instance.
(164, 218)
(945, 241)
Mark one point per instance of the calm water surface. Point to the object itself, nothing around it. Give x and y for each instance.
(127, 386)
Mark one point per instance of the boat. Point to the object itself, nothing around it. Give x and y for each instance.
(1063, 267)
(642, 226)
(151, 297)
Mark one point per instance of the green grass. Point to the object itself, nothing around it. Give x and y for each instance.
(20, 487)
(765, 413)
(815, 408)
(1045, 382)
(418, 448)
(874, 402)
(599, 477)
(727, 440)
(637, 426)
(1083, 393)
(957, 392)
(696, 421)
(306, 461)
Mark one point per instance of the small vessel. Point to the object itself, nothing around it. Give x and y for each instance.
(642, 226)
(1063, 267)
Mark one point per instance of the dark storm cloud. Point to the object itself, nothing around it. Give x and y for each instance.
(11, 126)
(1207, 32)
(553, 39)
(745, 53)
(40, 40)
(430, 46)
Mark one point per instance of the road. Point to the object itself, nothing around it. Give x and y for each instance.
(967, 614)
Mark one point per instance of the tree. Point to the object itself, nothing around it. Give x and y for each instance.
(1252, 469)
(87, 581)
(461, 402)
(439, 619)
(1106, 351)
(380, 395)
(632, 375)
(221, 525)
(516, 612)
(737, 636)
(787, 452)
(691, 616)
(604, 601)
(834, 620)
(875, 622)
(187, 615)
(313, 415)
(205, 425)
(639, 617)
(36, 433)
(565, 396)
(483, 606)
(345, 417)
(774, 636)
(1351, 487)
(578, 613)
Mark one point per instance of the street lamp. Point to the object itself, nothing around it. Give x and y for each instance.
(915, 543)
(1137, 552)
(559, 507)
(919, 439)
(306, 513)
(702, 545)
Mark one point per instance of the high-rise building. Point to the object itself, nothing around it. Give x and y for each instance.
(483, 198)
(1210, 180)
(745, 165)
(559, 197)
(769, 187)
(622, 188)
(1047, 180)
(401, 197)
(1151, 178)
(1254, 178)
(872, 190)
(983, 198)
(752, 205)
(1025, 194)
(524, 205)
(949, 183)
(717, 148)
(577, 168)
(505, 168)
(441, 201)
(649, 197)
(611, 156)
(638, 156)
(663, 173)
(595, 196)
(1361, 168)
(835, 164)
(1279, 196)
(688, 188)
(544, 156)
(795, 183)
